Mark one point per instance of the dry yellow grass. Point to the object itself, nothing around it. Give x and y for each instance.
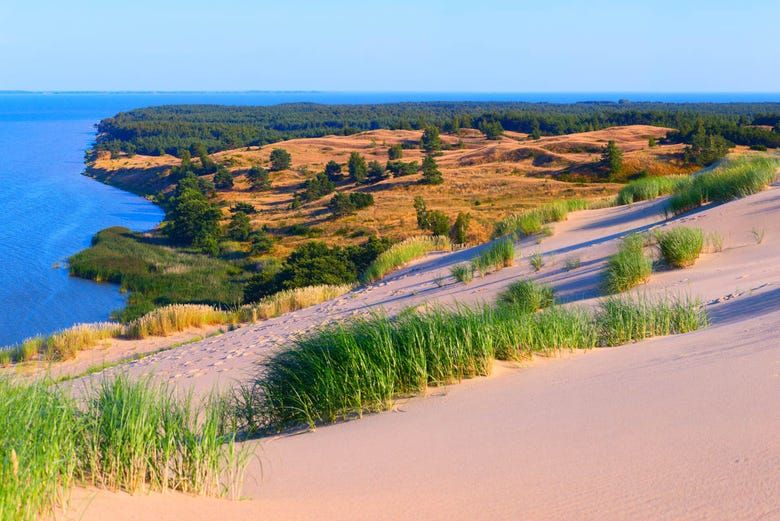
(290, 300)
(488, 179)
(174, 318)
(66, 343)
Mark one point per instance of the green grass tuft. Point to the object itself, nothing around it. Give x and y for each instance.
(650, 188)
(500, 254)
(463, 272)
(401, 253)
(532, 221)
(629, 319)
(629, 267)
(680, 246)
(527, 296)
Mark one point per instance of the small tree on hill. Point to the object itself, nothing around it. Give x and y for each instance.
(357, 167)
(333, 171)
(223, 180)
(612, 157)
(431, 174)
(375, 172)
(422, 212)
(431, 141)
(280, 159)
(438, 222)
(395, 152)
(259, 178)
(239, 227)
(460, 228)
(492, 129)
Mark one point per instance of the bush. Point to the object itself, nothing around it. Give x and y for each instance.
(680, 246)
(650, 188)
(629, 267)
(343, 204)
(403, 252)
(527, 296)
(395, 152)
(735, 179)
(438, 222)
(400, 168)
(280, 159)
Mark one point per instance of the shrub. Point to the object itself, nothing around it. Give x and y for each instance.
(175, 317)
(680, 246)
(463, 272)
(650, 188)
(280, 159)
(500, 254)
(629, 267)
(403, 252)
(734, 179)
(527, 296)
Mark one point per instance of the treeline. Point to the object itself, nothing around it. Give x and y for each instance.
(173, 129)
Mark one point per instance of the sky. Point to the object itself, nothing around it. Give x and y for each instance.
(402, 45)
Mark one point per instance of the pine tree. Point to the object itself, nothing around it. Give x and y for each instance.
(431, 174)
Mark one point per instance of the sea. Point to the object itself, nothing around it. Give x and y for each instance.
(49, 210)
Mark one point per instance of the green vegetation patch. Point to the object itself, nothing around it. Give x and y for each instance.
(681, 246)
(648, 188)
(629, 267)
(157, 275)
(527, 296)
(532, 221)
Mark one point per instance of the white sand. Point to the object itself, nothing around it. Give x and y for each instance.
(682, 427)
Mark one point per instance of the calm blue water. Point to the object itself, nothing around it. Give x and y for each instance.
(50, 211)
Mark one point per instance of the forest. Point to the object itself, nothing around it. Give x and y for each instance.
(173, 129)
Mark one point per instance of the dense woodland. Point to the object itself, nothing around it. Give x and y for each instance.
(175, 128)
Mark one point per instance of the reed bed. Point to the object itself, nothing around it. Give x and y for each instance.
(629, 267)
(681, 246)
(732, 180)
(345, 370)
(131, 436)
(291, 300)
(170, 319)
(532, 221)
(401, 253)
(650, 188)
(499, 255)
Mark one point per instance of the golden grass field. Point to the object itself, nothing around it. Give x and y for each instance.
(489, 179)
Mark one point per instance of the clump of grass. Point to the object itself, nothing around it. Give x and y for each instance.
(649, 188)
(532, 221)
(680, 246)
(401, 253)
(123, 435)
(527, 296)
(733, 179)
(536, 261)
(630, 319)
(714, 242)
(463, 272)
(6, 357)
(64, 344)
(572, 263)
(173, 318)
(499, 255)
(289, 300)
(629, 267)
(345, 370)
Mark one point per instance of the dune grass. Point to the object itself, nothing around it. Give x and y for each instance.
(650, 188)
(170, 319)
(401, 253)
(124, 435)
(629, 267)
(680, 246)
(64, 344)
(291, 300)
(734, 179)
(345, 370)
(463, 272)
(532, 221)
(527, 296)
(499, 255)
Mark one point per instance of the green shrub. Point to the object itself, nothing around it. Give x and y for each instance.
(650, 188)
(680, 246)
(629, 267)
(527, 296)
(734, 179)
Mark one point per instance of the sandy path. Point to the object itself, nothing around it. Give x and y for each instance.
(681, 427)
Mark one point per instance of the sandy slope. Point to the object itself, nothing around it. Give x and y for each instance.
(681, 427)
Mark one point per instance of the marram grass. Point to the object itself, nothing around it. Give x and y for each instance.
(291, 300)
(650, 188)
(123, 435)
(401, 253)
(170, 319)
(498, 255)
(345, 370)
(629, 267)
(527, 296)
(680, 246)
(532, 221)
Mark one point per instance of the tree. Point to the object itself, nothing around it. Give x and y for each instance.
(280, 159)
(243, 207)
(333, 171)
(492, 129)
(239, 227)
(314, 263)
(375, 172)
(318, 186)
(430, 141)
(207, 165)
(438, 222)
(399, 168)
(422, 212)
(192, 219)
(259, 178)
(431, 174)
(395, 152)
(705, 148)
(357, 167)
(612, 157)
(343, 204)
(460, 228)
(260, 242)
(223, 180)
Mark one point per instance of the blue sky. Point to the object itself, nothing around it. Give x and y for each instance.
(345, 45)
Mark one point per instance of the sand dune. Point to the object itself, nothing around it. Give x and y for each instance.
(681, 427)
